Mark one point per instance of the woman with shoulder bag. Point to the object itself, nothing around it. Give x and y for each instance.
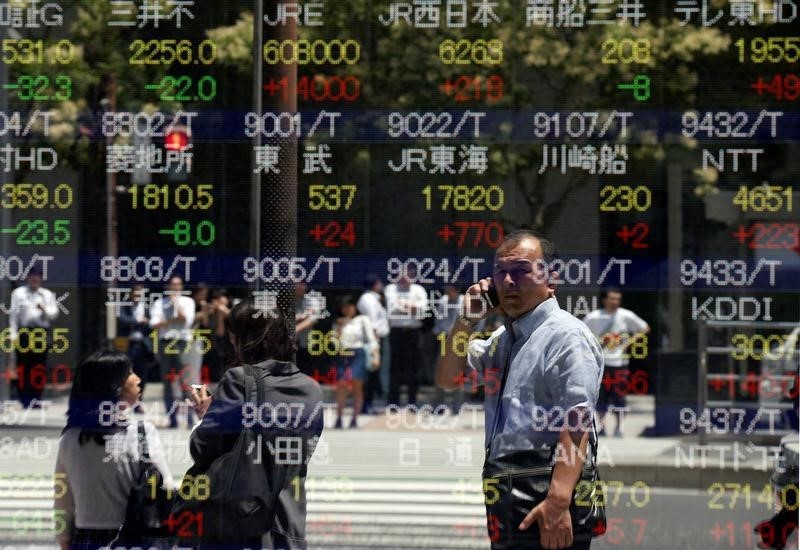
(99, 462)
(359, 353)
(260, 403)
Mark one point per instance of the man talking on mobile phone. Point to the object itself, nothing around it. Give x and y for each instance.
(541, 373)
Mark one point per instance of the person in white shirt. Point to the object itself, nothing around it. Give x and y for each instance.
(358, 353)
(306, 314)
(447, 309)
(370, 304)
(616, 328)
(201, 333)
(173, 316)
(100, 455)
(33, 307)
(406, 303)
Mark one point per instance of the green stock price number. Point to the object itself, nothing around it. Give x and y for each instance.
(183, 88)
(203, 234)
(40, 232)
(40, 88)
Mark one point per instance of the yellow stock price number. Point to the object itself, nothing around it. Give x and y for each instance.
(191, 488)
(35, 195)
(36, 340)
(758, 347)
(25, 51)
(327, 489)
(465, 489)
(491, 493)
(331, 197)
(764, 198)
(461, 342)
(624, 198)
(168, 51)
(475, 52)
(626, 51)
(316, 52)
(60, 484)
(736, 491)
(634, 344)
(588, 493)
(774, 49)
(325, 343)
(176, 346)
(465, 198)
(184, 197)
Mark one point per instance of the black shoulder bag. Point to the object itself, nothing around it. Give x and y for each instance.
(240, 503)
(515, 484)
(148, 503)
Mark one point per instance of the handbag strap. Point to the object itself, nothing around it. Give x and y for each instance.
(251, 388)
(257, 393)
(141, 435)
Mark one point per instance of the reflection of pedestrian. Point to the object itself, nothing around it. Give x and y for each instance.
(218, 312)
(98, 455)
(263, 341)
(33, 307)
(173, 316)
(133, 323)
(358, 347)
(201, 333)
(370, 303)
(306, 316)
(406, 303)
(447, 309)
(617, 329)
(541, 373)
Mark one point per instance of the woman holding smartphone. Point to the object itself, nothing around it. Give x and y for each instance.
(263, 340)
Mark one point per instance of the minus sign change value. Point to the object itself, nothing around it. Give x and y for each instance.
(183, 234)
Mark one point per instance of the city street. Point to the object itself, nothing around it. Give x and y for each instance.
(413, 481)
(255, 219)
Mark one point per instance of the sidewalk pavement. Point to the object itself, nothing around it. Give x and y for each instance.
(451, 446)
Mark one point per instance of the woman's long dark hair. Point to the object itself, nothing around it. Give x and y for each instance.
(99, 378)
(259, 335)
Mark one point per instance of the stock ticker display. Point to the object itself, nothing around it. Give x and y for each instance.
(261, 147)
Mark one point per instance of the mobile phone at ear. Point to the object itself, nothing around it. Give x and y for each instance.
(491, 297)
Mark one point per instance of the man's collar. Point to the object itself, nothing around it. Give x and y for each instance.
(524, 326)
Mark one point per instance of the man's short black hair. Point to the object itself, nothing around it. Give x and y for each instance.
(609, 290)
(370, 280)
(549, 250)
